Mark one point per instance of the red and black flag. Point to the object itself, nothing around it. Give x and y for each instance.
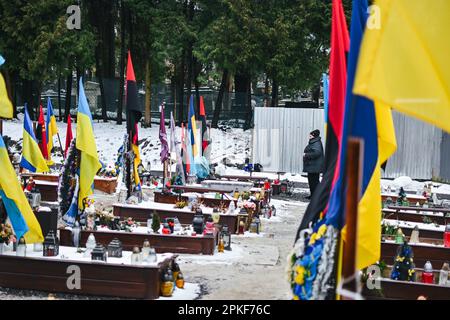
(134, 115)
(340, 46)
(205, 138)
(41, 134)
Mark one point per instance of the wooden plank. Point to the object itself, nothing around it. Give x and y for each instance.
(409, 197)
(96, 278)
(104, 184)
(48, 190)
(415, 217)
(444, 210)
(209, 202)
(404, 290)
(200, 189)
(437, 255)
(354, 177)
(161, 243)
(142, 214)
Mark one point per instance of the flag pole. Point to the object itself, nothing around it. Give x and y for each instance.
(354, 174)
(60, 145)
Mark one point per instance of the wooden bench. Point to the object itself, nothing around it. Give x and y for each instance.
(400, 213)
(410, 197)
(161, 242)
(437, 255)
(142, 214)
(97, 278)
(107, 185)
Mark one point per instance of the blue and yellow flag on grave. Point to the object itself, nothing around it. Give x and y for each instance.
(373, 124)
(404, 60)
(22, 218)
(32, 158)
(89, 164)
(52, 128)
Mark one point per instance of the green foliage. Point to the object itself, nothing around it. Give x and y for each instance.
(156, 222)
(284, 40)
(36, 42)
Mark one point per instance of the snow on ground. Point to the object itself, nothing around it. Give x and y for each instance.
(413, 186)
(232, 144)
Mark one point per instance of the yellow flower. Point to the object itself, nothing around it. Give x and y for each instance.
(296, 297)
(312, 239)
(322, 230)
(300, 277)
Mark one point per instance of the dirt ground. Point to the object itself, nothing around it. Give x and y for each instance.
(260, 272)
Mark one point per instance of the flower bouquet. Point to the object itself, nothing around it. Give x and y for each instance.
(180, 204)
(108, 172)
(107, 218)
(6, 235)
(250, 207)
(129, 224)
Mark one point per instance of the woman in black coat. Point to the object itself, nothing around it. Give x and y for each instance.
(313, 160)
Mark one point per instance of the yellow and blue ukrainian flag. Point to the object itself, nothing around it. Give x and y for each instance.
(6, 107)
(89, 164)
(32, 158)
(373, 124)
(405, 62)
(22, 218)
(52, 128)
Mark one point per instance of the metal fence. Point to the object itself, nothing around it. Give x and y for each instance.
(280, 135)
(233, 109)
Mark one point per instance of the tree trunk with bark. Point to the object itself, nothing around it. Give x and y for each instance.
(181, 89)
(59, 98)
(148, 95)
(121, 62)
(249, 115)
(274, 102)
(218, 108)
(68, 96)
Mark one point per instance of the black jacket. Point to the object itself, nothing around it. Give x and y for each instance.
(313, 160)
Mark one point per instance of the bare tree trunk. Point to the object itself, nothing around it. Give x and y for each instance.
(227, 97)
(68, 96)
(100, 73)
(59, 98)
(197, 69)
(274, 102)
(218, 108)
(121, 63)
(248, 118)
(148, 95)
(266, 92)
(181, 89)
(189, 75)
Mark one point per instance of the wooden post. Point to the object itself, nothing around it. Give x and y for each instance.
(354, 175)
(60, 145)
(164, 174)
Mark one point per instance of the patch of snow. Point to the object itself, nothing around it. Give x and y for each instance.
(411, 225)
(226, 257)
